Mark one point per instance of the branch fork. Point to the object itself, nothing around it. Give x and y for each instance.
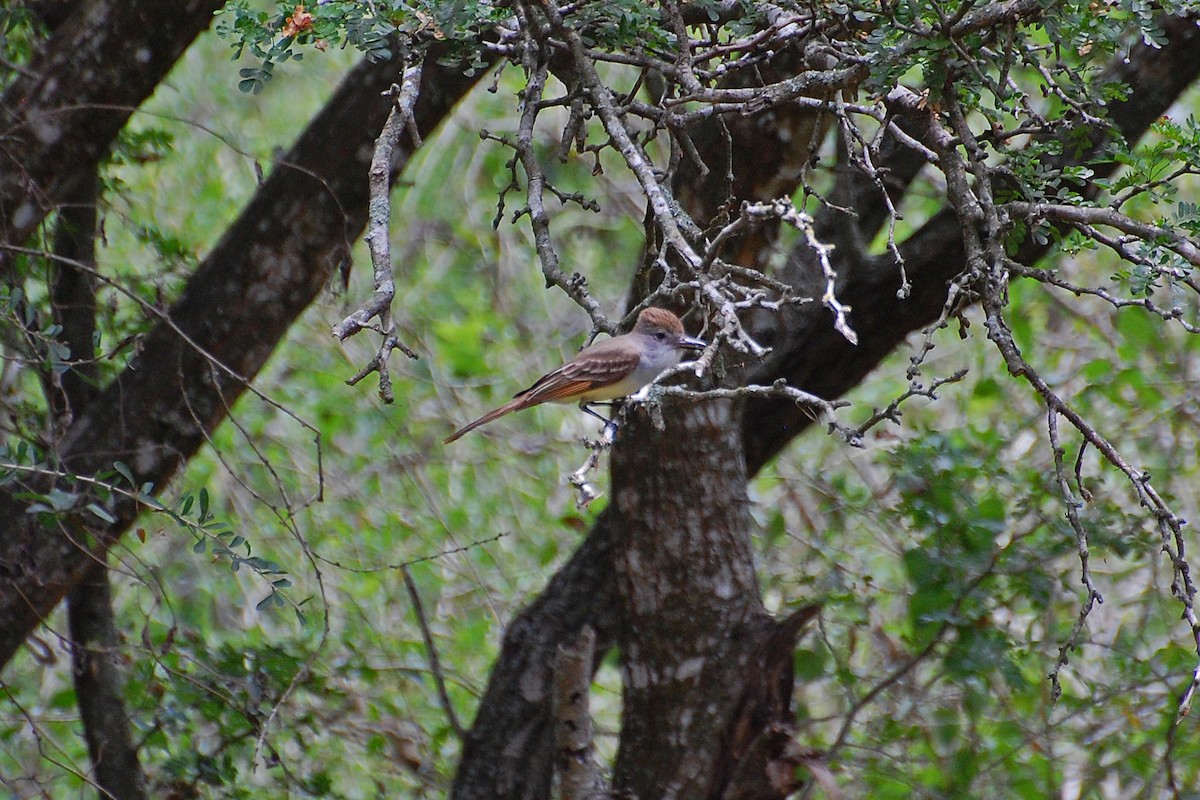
(400, 121)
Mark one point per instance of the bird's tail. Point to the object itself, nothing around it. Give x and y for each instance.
(515, 404)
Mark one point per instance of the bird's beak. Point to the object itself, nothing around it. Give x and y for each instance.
(692, 343)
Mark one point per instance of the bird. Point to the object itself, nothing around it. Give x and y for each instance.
(606, 370)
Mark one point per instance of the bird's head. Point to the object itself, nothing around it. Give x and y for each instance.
(663, 326)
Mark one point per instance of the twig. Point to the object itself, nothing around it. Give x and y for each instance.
(829, 299)
(435, 664)
(1084, 215)
(915, 389)
(400, 120)
(1173, 314)
(1094, 597)
(948, 624)
(419, 560)
(585, 491)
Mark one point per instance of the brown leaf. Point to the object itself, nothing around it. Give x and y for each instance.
(297, 23)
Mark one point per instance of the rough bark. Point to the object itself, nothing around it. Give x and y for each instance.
(809, 355)
(574, 735)
(685, 577)
(73, 301)
(99, 683)
(197, 361)
(60, 116)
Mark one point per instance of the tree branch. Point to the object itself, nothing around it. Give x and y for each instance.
(95, 642)
(60, 116)
(156, 413)
(435, 663)
(400, 120)
(1084, 215)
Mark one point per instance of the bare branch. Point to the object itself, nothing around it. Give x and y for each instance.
(400, 121)
(585, 492)
(1051, 278)
(915, 389)
(534, 61)
(1169, 525)
(435, 663)
(1072, 505)
(652, 394)
(1083, 215)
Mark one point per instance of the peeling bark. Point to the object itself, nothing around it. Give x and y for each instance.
(578, 773)
(685, 577)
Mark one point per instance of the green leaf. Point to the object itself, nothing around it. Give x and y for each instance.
(102, 512)
(60, 500)
(124, 471)
(809, 665)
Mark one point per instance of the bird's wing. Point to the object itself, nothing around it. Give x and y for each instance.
(602, 364)
(596, 366)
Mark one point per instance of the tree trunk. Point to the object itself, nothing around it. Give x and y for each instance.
(95, 648)
(809, 354)
(694, 624)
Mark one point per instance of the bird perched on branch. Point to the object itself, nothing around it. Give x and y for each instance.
(606, 370)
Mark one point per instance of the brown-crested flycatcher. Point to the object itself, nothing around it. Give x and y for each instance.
(606, 370)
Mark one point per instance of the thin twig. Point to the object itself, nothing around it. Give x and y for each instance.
(400, 120)
(585, 492)
(1167, 238)
(1094, 597)
(435, 663)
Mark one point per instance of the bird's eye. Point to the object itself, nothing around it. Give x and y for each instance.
(660, 336)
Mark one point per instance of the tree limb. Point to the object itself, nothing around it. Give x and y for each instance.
(156, 413)
(60, 116)
(400, 120)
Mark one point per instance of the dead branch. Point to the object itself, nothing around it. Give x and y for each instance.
(400, 120)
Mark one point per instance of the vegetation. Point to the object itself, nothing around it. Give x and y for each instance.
(954, 245)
